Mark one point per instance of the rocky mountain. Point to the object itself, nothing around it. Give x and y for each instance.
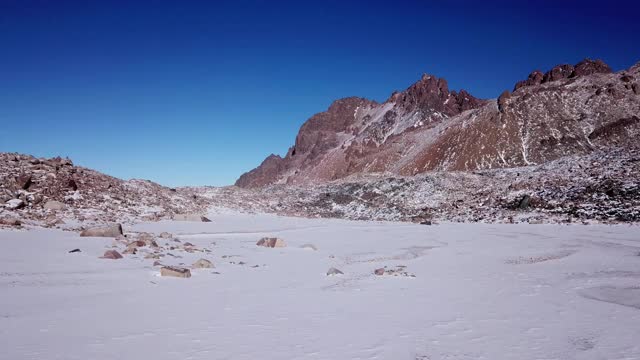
(569, 110)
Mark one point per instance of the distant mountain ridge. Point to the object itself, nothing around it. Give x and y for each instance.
(570, 109)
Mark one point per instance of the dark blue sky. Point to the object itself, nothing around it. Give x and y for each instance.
(190, 93)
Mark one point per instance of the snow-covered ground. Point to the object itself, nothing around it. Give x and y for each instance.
(480, 292)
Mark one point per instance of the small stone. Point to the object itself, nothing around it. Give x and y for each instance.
(271, 242)
(106, 231)
(111, 254)
(333, 271)
(379, 271)
(165, 235)
(74, 251)
(175, 271)
(203, 264)
(190, 217)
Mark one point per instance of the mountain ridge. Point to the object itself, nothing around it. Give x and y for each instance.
(429, 127)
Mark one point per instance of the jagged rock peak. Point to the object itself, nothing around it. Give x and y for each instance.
(431, 93)
(565, 71)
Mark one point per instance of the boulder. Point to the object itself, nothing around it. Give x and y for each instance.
(165, 235)
(379, 271)
(10, 222)
(333, 271)
(111, 254)
(15, 204)
(190, 217)
(203, 264)
(524, 202)
(23, 181)
(175, 271)
(54, 205)
(271, 242)
(105, 231)
(130, 251)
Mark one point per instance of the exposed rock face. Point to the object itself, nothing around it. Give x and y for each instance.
(104, 231)
(570, 110)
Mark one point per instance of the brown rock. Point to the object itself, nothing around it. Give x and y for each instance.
(379, 271)
(24, 181)
(558, 72)
(111, 254)
(271, 242)
(588, 67)
(175, 271)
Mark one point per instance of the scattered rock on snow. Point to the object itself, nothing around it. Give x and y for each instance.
(271, 242)
(175, 271)
(74, 251)
(309, 247)
(203, 264)
(379, 271)
(333, 271)
(165, 235)
(111, 254)
(190, 217)
(105, 231)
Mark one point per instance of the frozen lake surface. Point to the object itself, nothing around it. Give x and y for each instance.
(479, 292)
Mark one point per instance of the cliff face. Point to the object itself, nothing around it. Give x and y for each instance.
(568, 110)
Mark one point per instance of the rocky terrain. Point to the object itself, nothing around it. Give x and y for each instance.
(562, 147)
(54, 192)
(603, 186)
(569, 110)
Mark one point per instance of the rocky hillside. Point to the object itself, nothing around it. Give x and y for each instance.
(52, 192)
(569, 110)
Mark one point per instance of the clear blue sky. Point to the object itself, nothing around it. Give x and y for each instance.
(195, 93)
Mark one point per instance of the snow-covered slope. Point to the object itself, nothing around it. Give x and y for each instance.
(463, 291)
